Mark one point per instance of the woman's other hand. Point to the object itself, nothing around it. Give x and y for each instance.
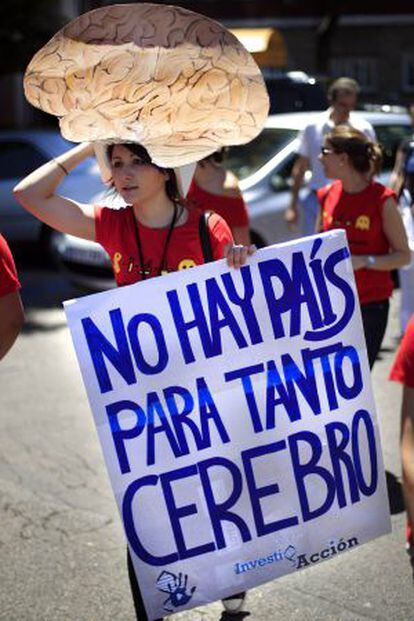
(358, 261)
(236, 254)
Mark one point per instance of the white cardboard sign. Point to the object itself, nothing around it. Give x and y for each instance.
(236, 417)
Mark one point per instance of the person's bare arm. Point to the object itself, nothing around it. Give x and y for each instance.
(241, 235)
(37, 194)
(298, 172)
(11, 320)
(394, 230)
(407, 450)
(318, 223)
(397, 175)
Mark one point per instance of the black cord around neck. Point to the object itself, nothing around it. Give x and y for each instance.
(161, 268)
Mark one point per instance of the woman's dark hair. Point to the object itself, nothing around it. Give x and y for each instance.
(171, 185)
(217, 157)
(364, 154)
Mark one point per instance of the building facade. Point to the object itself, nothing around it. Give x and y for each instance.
(325, 38)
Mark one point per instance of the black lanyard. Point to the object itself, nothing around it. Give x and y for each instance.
(167, 241)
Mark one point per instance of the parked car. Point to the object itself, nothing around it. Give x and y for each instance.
(264, 168)
(23, 151)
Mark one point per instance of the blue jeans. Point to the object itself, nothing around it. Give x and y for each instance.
(310, 210)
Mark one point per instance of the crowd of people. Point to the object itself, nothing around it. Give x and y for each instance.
(161, 228)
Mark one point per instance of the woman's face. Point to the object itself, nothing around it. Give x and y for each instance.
(334, 164)
(135, 180)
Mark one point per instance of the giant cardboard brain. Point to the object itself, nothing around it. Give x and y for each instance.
(175, 81)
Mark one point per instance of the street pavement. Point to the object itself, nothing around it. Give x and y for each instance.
(62, 552)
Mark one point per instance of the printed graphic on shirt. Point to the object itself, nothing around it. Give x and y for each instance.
(132, 266)
(185, 264)
(116, 262)
(363, 223)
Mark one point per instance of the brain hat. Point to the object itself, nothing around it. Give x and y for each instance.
(175, 81)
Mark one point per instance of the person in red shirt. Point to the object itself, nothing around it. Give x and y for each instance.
(402, 371)
(367, 211)
(11, 308)
(214, 187)
(155, 234)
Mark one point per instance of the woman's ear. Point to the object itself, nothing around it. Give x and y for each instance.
(343, 159)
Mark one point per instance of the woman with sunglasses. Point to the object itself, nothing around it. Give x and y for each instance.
(155, 234)
(367, 211)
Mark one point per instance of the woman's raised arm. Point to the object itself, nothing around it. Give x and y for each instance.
(36, 193)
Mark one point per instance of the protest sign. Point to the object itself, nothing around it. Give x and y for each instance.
(236, 417)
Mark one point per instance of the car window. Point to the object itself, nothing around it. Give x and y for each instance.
(244, 160)
(280, 178)
(389, 137)
(18, 159)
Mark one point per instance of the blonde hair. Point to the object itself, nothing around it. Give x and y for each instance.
(364, 154)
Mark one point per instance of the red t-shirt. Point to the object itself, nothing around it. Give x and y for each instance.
(403, 368)
(231, 208)
(9, 282)
(114, 229)
(360, 215)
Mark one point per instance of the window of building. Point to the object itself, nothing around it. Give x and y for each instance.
(363, 69)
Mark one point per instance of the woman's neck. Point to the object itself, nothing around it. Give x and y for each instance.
(339, 116)
(354, 182)
(156, 213)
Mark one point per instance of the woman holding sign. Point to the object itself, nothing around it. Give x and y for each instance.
(177, 83)
(154, 235)
(368, 212)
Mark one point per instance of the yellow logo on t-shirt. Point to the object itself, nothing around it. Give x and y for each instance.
(185, 264)
(363, 223)
(116, 260)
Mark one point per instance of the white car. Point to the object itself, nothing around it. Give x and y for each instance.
(21, 152)
(264, 168)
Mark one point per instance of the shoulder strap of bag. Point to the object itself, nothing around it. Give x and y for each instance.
(205, 236)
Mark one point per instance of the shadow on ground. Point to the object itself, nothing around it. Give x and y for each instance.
(239, 616)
